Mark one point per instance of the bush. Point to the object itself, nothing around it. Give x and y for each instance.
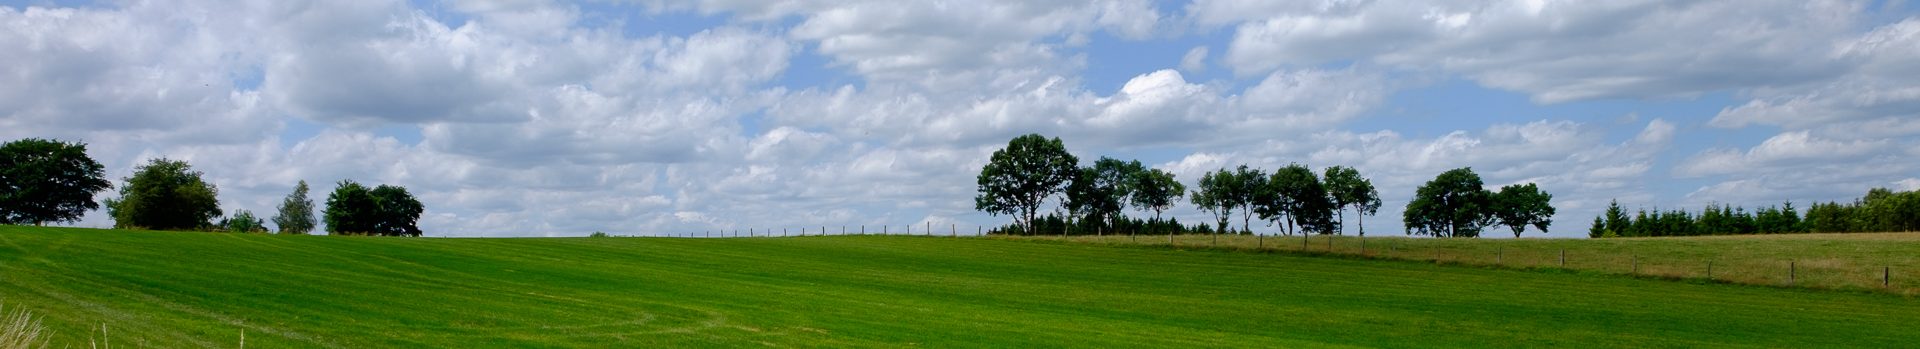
(165, 195)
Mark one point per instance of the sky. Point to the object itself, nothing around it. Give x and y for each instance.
(537, 118)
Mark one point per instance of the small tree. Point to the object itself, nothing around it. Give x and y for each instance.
(1156, 190)
(1297, 194)
(1213, 196)
(350, 209)
(1018, 178)
(1453, 204)
(399, 212)
(47, 181)
(296, 212)
(386, 210)
(1520, 205)
(165, 195)
(1100, 192)
(1246, 185)
(1347, 189)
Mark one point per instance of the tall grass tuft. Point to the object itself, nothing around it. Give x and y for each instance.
(20, 330)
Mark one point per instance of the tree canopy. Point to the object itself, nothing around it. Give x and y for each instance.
(1453, 204)
(1156, 190)
(165, 195)
(1296, 194)
(296, 212)
(386, 210)
(1347, 189)
(1213, 194)
(1020, 177)
(1520, 205)
(1100, 192)
(47, 181)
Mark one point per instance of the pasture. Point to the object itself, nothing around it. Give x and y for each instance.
(178, 289)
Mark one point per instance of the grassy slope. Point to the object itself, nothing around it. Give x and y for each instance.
(197, 289)
(1834, 261)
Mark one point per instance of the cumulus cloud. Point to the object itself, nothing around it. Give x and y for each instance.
(1792, 149)
(548, 118)
(1553, 51)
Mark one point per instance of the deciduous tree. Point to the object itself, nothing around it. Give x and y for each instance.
(1520, 205)
(296, 212)
(1350, 190)
(47, 181)
(1453, 204)
(1020, 177)
(165, 195)
(1156, 190)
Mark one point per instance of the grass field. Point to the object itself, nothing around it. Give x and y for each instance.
(165, 289)
(1883, 262)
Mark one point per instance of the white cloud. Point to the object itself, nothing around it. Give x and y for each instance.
(1195, 61)
(1558, 51)
(1795, 150)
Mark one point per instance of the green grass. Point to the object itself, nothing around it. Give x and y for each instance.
(166, 289)
(1880, 262)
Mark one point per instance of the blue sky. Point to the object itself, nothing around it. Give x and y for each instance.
(537, 118)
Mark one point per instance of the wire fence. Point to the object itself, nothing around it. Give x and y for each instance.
(1688, 263)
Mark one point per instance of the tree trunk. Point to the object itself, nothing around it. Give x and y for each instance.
(1360, 219)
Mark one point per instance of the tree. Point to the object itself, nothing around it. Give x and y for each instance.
(165, 195)
(1520, 205)
(47, 181)
(1246, 185)
(350, 209)
(1156, 190)
(1100, 192)
(1616, 219)
(296, 212)
(1213, 196)
(1453, 204)
(1347, 188)
(1295, 193)
(399, 212)
(386, 210)
(1017, 179)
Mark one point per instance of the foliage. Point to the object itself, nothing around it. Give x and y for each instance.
(1099, 193)
(1453, 204)
(386, 210)
(1347, 189)
(1156, 190)
(1214, 194)
(165, 195)
(242, 221)
(47, 181)
(1049, 225)
(597, 235)
(1296, 194)
(1881, 210)
(1520, 205)
(296, 212)
(1020, 177)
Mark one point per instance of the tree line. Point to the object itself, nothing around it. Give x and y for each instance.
(1019, 179)
(49, 181)
(1881, 210)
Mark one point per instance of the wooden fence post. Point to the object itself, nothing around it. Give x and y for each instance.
(1886, 277)
(1497, 255)
(1563, 258)
(1709, 270)
(1790, 273)
(1636, 263)
(953, 230)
